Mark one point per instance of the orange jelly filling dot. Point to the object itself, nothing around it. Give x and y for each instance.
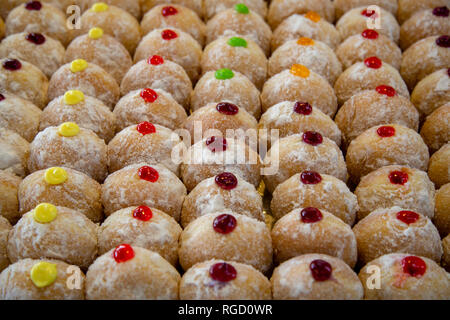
(313, 16)
(300, 70)
(305, 41)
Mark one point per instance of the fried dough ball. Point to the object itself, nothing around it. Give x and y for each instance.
(436, 129)
(131, 6)
(342, 6)
(438, 169)
(441, 210)
(196, 5)
(407, 8)
(446, 257)
(5, 227)
(213, 7)
(9, 202)
(15, 151)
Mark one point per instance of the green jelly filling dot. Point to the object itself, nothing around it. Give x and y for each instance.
(237, 42)
(224, 74)
(241, 8)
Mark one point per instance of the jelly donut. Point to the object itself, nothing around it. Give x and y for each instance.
(438, 169)
(282, 9)
(309, 25)
(424, 24)
(315, 277)
(299, 84)
(157, 73)
(395, 185)
(296, 117)
(407, 8)
(103, 50)
(155, 106)
(312, 189)
(113, 21)
(9, 202)
(238, 54)
(214, 155)
(221, 192)
(385, 145)
(88, 112)
(213, 7)
(131, 6)
(369, 108)
(158, 188)
(395, 229)
(144, 142)
(313, 54)
(367, 75)
(425, 57)
(305, 151)
(240, 21)
(404, 277)
(367, 44)
(174, 45)
(54, 232)
(229, 236)
(174, 16)
(30, 279)
(42, 51)
(446, 256)
(89, 78)
(196, 5)
(15, 151)
(144, 227)
(5, 227)
(436, 129)
(38, 17)
(62, 187)
(432, 92)
(224, 280)
(441, 212)
(342, 6)
(19, 115)
(24, 80)
(131, 273)
(226, 85)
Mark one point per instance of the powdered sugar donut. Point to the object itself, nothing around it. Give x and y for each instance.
(156, 73)
(221, 192)
(315, 277)
(239, 54)
(406, 8)
(196, 5)
(229, 236)
(63, 187)
(42, 51)
(109, 277)
(405, 277)
(5, 227)
(299, 152)
(342, 6)
(395, 185)
(438, 170)
(19, 115)
(15, 151)
(441, 213)
(145, 142)
(367, 44)
(385, 145)
(158, 188)
(155, 106)
(64, 4)
(144, 227)
(9, 203)
(315, 55)
(24, 80)
(52, 232)
(312, 189)
(70, 146)
(436, 129)
(446, 256)
(212, 7)
(299, 84)
(131, 6)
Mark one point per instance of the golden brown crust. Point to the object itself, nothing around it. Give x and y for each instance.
(342, 6)
(196, 5)
(438, 169)
(15, 153)
(5, 227)
(9, 202)
(406, 8)
(131, 6)
(441, 210)
(446, 256)
(436, 129)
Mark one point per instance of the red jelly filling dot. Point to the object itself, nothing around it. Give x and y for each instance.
(386, 90)
(216, 144)
(168, 34)
(169, 11)
(368, 13)
(310, 177)
(155, 60)
(373, 62)
(311, 215)
(398, 177)
(148, 173)
(35, 38)
(370, 34)
(312, 138)
(448, 72)
(225, 223)
(303, 108)
(320, 270)
(227, 108)
(2, 97)
(441, 11)
(226, 180)
(12, 64)
(386, 131)
(414, 266)
(33, 5)
(123, 253)
(145, 128)
(407, 217)
(142, 213)
(223, 272)
(149, 95)
(443, 41)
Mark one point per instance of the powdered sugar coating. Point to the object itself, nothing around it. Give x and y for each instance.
(9, 204)
(15, 151)
(131, 6)
(212, 7)
(342, 6)
(196, 5)
(439, 170)
(436, 129)
(406, 8)
(5, 227)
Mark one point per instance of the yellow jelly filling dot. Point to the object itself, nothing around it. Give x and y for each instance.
(305, 41)
(55, 175)
(43, 274)
(68, 129)
(72, 97)
(45, 213)
(300, 70)
(99, 7)
(78, 65)
(96, 33)
(313, 16)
